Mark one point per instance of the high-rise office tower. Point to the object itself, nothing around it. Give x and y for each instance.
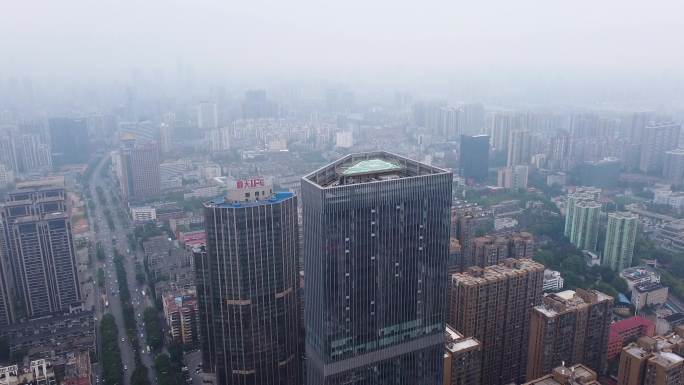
(474, 161)
(38, 241)
(673, 168)
(69, 139)
(207, 116)
(657, 139)
(494, 305)
(519, 148)
(582, 215)
(376, 236)
(248, 284)
(139, 175)
(570, 327)
(620, 239)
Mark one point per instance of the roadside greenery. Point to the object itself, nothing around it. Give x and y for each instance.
(128, 312)
(100, 277)
(112, 368)
(167, 373)
(153, 329)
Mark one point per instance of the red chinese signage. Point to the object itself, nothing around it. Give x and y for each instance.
(250, 183)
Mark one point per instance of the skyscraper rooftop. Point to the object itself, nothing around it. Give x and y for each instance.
(369, 167)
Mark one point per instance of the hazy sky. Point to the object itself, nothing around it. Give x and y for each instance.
(88, 39)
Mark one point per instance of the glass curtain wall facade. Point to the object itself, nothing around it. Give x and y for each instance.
(376, 244)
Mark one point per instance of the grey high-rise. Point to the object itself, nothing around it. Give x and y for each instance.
(474, 160)
(38, 241)
(376, 244)
(6, 305)
(248, 284)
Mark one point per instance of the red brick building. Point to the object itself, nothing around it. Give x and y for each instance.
(626, 331)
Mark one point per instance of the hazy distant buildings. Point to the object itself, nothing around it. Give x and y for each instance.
(138, 170)
(248, 282)
(219, 139)
(570, 327)
(8, 155)
(166, 137)
(494, 305)
(514, 177)
(256, 105)
(603, 173)
(39, 247)
(658, 139)
(207, 116)
(620, 239)
(474, 159)
(32, 153)
(673, 168)
(6, 176)
(376, 246)
(69, 138)
(519, 148)
(344, 139)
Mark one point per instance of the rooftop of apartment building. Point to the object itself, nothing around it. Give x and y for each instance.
(569, 300)
(455, 342)
(370, 167)
(574, 375)
(646, 287)
(509, 267)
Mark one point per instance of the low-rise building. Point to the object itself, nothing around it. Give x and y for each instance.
(553, 281)
(143, 214)
(39, 372)
(626, 331)
(671, 236)
(52, 336)
(182, 316)
(638, 275)
(649, 294)
(77, 369)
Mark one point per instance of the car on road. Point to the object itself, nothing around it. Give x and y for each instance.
(123, 339)
(125, 367)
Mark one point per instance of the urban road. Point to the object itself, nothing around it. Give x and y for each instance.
(110, 239)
